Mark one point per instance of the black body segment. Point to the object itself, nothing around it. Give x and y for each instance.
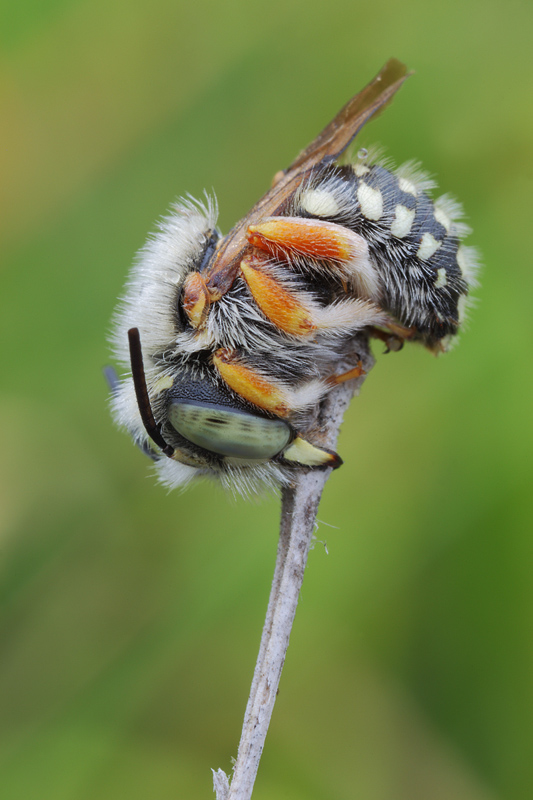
(413, 244)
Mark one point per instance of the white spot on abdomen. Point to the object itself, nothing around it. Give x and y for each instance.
(461, 307)
(407, 186)
(428, 246)
(442, 218)
(462, 261)
(403, 221)
(467, 261)
(371, 201)
(360, 170)
(442, 279)
(319, 202)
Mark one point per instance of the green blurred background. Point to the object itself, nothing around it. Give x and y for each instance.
(131, 617)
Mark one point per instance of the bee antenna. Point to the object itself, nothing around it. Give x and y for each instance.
(141, 392)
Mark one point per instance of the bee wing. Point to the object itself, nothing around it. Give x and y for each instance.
(335, 138)
(328, 145)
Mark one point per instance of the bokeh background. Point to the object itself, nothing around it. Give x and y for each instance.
(131, 617)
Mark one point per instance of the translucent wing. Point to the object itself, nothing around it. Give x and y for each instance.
(328, 146)
(335, 138)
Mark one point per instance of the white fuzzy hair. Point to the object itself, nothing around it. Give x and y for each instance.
(157, 275)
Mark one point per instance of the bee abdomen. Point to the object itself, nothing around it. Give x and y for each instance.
(414, 241)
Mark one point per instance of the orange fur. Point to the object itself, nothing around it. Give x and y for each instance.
(195, 299)
(275, 301)
(311, 237)
(249, 384)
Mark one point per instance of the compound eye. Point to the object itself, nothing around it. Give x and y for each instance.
(229, 432)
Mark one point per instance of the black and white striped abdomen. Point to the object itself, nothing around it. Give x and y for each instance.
(415, 243)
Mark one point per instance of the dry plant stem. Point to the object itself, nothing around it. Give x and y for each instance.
(298, 513)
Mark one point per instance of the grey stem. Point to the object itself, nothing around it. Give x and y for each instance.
(298, 513)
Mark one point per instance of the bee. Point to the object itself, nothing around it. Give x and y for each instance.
(233, 340)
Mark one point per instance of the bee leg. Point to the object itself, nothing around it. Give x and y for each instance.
(249, 384)
(195, 299)
(326, 242)
(280, 305)
(394, 336)
(355, 372)
(264, 392)
(301, 451)
(393, 343)
(295, 312)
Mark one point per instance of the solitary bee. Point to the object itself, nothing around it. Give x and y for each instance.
(232, 340)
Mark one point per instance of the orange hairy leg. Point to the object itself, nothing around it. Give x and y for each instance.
(248, 384)
(356, 372)
(195, 299)
(275, 301)
(308, 237)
